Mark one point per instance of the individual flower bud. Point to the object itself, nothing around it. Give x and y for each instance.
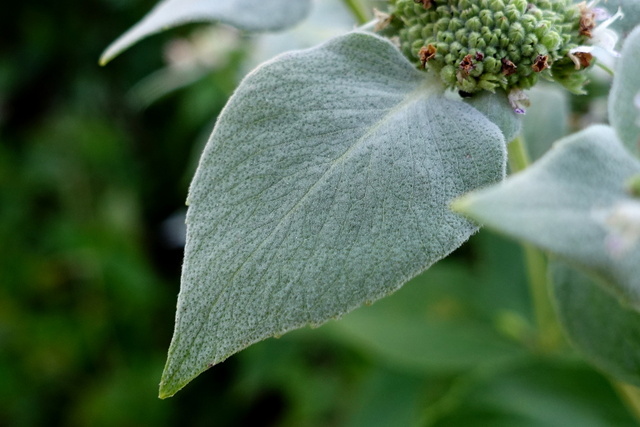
(516, 33)
(486, 17)
(497, 5)
(512, 13)
(551, 40)
(473, 24)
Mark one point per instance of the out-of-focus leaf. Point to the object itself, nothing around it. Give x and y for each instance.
(250, 15)
(631, 10)
(325, 185)
(605, 332)
(497, 109)
(624, 99)
(534, 394)
(328, 19)
(388, 399)
(547, 119)
(429, 325)
(574, 203)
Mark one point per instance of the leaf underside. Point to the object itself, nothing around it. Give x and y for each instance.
(248, 15)
(325, 185)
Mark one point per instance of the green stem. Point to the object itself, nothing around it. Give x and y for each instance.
(358, 10)
(549, 335)
(605, 68)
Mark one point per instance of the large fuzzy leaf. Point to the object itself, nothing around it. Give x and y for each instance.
(250, 15)
(573, 202)
(325, 185)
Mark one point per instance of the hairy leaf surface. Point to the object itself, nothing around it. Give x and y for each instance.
(249, 15)
(573, 202)
(325, 185)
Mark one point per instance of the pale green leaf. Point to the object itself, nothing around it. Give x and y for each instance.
(573, 202)
(325, 185)
(249, 15)
(497, 109)
(547, 119)
(624, 115)
(605, 332)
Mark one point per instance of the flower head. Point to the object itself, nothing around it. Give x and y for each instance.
(602, 40)
(475, 45)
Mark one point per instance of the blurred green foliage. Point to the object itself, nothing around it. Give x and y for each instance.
(88, 277)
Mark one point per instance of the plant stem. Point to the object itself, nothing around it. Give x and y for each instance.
(549, 335)
(358, 11)
(605, 68)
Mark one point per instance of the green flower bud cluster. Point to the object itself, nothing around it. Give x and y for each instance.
(488, 44)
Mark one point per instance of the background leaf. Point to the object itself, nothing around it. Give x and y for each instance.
(531, 394)
(624, 115)
(573, 203)
(547, 119)
(605, 332)
(442, 329)
(497, 109)
(250, 15)
(325, 185)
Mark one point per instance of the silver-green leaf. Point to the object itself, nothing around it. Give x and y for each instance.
(249, 15)
(604, 331)
(325, 185)
(497, 109)
(624, 113)
(547, 120)
(574, 203)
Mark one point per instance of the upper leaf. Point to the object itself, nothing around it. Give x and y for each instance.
(624, 114)
(603, 330)
(325, 185)
(250, 15)
(572, 202)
